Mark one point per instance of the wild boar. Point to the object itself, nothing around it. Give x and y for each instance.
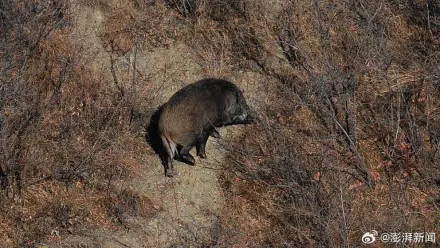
(194, 112)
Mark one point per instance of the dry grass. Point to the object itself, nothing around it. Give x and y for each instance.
(61, 124)
(349, 141)
(354, 106)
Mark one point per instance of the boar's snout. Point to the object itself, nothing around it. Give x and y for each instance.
(247, 116)
(252, 116)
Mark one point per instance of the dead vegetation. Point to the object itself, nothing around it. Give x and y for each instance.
(348, 143)
(60, 124)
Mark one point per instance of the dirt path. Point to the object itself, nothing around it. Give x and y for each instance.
(191, 201)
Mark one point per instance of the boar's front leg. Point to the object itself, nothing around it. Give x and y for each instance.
(215, 134)
(202, 139)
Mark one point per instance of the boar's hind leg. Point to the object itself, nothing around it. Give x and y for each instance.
(168, 157)
(169, 169)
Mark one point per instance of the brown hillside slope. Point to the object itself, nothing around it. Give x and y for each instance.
(348, 92)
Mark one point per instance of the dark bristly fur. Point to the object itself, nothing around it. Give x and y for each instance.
(192, 115)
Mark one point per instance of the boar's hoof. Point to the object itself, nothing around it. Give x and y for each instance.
(169, 173)
(201, 155)
(188, 159)
(215, 134)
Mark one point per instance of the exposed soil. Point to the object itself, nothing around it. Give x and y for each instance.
(191, 202)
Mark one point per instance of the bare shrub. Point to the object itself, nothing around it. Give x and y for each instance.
(59, 123)
(425, 14)
(26, 28)
(353, 89)
(352, 71)
(217, 10)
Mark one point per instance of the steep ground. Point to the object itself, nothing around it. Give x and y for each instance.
(190, 202)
